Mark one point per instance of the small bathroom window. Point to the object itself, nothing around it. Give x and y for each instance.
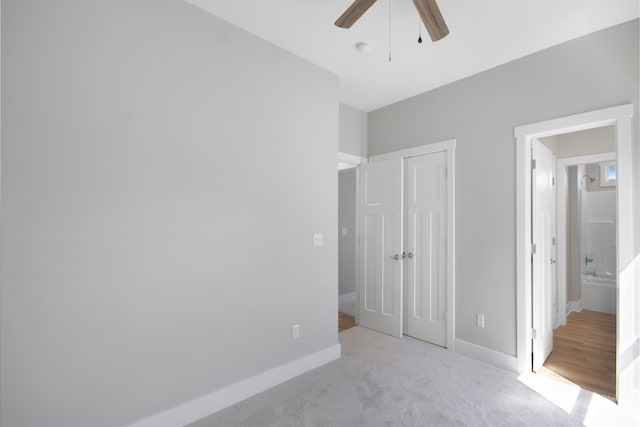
(608, 174)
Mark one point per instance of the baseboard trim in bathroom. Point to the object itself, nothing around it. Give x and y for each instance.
(574, 306)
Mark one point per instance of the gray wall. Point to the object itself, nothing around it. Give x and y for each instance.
(596, 71)
(155, 244)
(353, 131)
(347, 220)
(574, 234)
(593, 171)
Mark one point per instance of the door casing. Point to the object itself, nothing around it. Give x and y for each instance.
(627, 393)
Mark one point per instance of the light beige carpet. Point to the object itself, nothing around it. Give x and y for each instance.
(385, 381)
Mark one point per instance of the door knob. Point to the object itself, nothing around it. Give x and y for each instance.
(395, 257)
(553, 261)
(410, 255)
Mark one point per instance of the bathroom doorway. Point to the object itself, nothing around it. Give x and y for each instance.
(582, 258)
(584, 335)
(627, 307)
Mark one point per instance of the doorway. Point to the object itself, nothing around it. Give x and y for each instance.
(347, 232)
(619, 117)
(579, 344)
(406, 243)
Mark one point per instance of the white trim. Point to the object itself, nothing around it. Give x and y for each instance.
(573, 306)
(416, 151)
(487, 355)
(448, 146)
(234, 393)
(563, 183)
(348, 161)
(619, 116)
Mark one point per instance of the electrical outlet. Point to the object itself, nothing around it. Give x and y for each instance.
(295, 332)
(344, 231)
(480, 320)
(318, 239)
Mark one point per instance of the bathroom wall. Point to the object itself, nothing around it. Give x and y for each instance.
(574, 242)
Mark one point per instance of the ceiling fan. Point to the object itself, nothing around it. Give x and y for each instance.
(428, 10)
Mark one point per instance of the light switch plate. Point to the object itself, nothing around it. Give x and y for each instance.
(344, 231)
(318, 239)
(295, 332)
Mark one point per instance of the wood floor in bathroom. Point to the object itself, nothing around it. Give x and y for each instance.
(584, 351)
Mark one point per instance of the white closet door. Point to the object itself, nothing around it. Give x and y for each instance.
(543, 268)
(380, 223)
(426, 261)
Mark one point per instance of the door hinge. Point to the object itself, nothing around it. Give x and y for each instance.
(533, 249)
(553, 180)
(533, 163)
(445, 171)
(446, 316)
(533, 333)
(553, 241)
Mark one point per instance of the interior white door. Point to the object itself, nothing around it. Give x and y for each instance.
(426, 246)
(543, 260)
(380, 250)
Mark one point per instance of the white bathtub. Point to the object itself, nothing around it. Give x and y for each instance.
(599, 294)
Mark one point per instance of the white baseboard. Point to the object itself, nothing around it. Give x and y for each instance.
(574, 306)
(213, 402)
(492, 357)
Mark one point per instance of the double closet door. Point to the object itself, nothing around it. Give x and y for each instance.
(402, 282)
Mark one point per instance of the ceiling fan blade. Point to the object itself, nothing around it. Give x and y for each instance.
(355, 11)
(432, 18)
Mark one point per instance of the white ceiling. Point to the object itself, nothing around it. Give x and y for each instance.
(483, 34)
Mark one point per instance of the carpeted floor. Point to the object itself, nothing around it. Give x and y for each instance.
(384, 381)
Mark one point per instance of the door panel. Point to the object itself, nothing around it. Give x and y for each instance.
(380, 279)
(543, 261)
(426, 248)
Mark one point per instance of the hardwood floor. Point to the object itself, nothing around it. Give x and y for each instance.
(584, 351)
(345, 321)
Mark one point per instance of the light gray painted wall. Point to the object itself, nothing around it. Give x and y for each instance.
(347, 219)
(353, 131)
(155, 244)
(593, 171)
(574, 227)
(593, 72)
(582, 143)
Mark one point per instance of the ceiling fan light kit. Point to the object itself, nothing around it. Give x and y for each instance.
(427, 9)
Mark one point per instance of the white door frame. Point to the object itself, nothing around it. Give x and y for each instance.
(620, 117)
(348, 161)
(449, 147)
(563, 187)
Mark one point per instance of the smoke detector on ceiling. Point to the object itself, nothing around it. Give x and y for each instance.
(364, 47)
